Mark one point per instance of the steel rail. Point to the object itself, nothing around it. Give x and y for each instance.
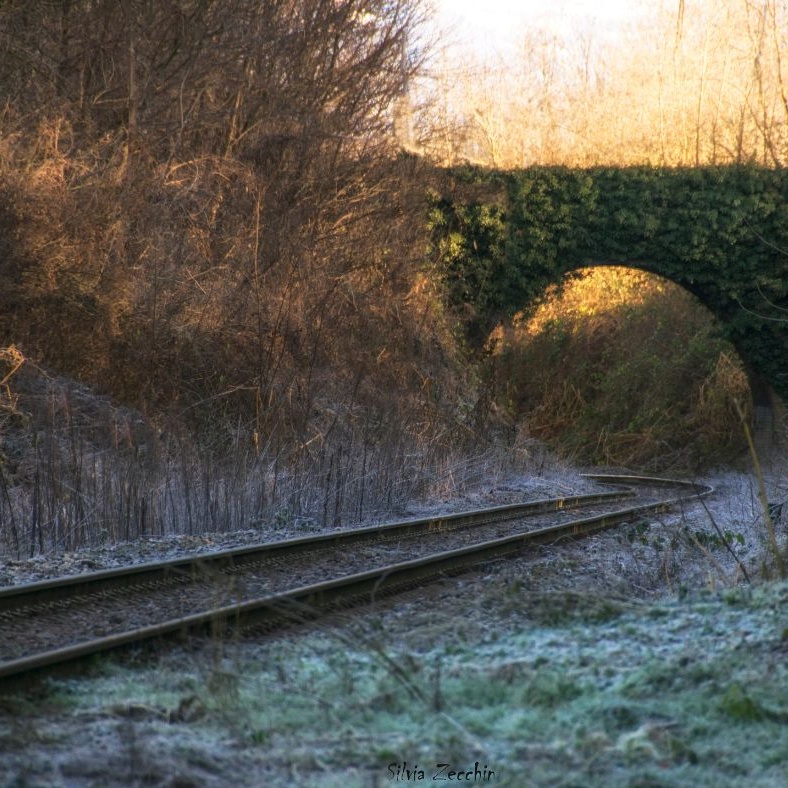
(309, 602)
(193, 567)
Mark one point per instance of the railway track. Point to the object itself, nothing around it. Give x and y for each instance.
(51, 625)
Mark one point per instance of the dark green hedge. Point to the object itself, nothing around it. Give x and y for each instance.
(721, 232)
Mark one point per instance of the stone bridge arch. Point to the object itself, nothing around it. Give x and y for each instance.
(499, 239)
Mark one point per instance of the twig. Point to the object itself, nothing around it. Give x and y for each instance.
(775, 548)
(725, 541)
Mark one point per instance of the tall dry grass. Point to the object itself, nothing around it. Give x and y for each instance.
(77, 471)
(623, 368)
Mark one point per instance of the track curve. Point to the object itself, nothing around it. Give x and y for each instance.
(296, 602)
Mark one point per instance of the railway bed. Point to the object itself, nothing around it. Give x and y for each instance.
(47, 625)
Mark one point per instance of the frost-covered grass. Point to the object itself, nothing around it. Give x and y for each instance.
(551, 689)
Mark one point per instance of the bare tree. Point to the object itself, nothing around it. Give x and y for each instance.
(224, 181)
(691, 84)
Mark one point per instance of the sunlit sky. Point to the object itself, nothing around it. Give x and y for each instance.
(495, 23)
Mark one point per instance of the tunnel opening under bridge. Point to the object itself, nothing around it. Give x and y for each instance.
(617, 365)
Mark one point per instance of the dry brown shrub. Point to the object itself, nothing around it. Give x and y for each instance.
(625, 369)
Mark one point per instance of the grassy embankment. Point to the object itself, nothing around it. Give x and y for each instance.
(544, 689)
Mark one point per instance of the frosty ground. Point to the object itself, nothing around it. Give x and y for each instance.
(639, 657)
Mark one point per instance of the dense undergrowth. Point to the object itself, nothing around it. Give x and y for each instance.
(624, 368)
(78, 470)
(205, 220)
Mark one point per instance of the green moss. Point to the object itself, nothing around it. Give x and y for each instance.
(739, 706)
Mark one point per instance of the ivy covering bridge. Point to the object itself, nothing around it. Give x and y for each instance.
(500, 238)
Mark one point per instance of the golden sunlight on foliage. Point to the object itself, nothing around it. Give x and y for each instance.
(624, 368)
(594, 292)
